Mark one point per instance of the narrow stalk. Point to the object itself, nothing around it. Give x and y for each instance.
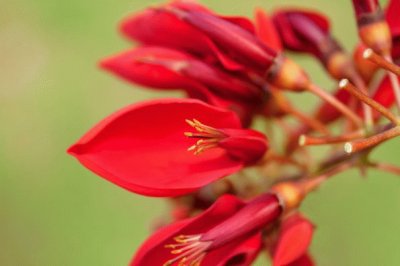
(368, 119)
(337, 104)
(358, 145)
(312, 123)
(346, 85)
(310, 184)
(393, 169)
(395, 84)
(309, 140)
(384, 62)
(284, 104)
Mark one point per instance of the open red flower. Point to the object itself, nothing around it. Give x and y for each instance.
(143, 147)
(228, 233)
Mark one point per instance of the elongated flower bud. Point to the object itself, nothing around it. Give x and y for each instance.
(372, 27)
(243, 45)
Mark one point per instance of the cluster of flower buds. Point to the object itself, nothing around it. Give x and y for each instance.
(195, 150)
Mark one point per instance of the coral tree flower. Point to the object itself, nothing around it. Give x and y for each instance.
(228, 233)
(155, 26)
(305, 31)
(293, 241)
(143, 147)
(164, 68)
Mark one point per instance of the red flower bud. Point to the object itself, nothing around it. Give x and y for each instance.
(305, 31)
(309, 32)
(372, 27)
(241, 44)
(166, 68)
(365, 7)
(155, 26)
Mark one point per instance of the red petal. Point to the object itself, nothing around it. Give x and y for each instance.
(392, 16)
(266, 30)
(384, 94)
(293, 240)
(142, 148)
(153, 252)
(303, 37)
(304, 260)
(393, 19)
(130, 66)
(241, 253)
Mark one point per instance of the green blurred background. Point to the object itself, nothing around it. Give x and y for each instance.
(55, 212)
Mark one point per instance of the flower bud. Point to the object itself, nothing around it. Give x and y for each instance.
(372, 27)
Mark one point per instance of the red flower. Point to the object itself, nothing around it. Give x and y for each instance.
(305, 31)
(143, 148)
(166, 68)
(293, 241)
(155, 26)
(241, 44)
(228, 233)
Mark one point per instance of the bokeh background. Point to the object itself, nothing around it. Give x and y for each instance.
(55, 212)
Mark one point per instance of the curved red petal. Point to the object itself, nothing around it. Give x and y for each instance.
(142, 148)
(293, 241)
(153, 252)
(266, 31)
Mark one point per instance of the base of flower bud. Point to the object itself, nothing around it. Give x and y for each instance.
(286, 74)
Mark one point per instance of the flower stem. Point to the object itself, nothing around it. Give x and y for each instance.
(384, 62)
(337, 104)
(358, 145)
(346, 85)
(386, 167)
(368, 119)
(305, 140)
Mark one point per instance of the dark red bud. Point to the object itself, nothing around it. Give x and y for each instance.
(365, 7)
(243, 45)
